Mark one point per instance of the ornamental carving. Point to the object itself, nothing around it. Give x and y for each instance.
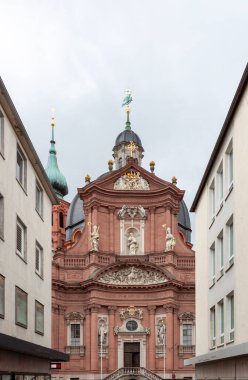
(131, 181)
(132, 212)
(133, 276)
(186, 316)
(131, 312)
(74, 316)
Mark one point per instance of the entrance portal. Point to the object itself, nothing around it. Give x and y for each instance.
(131, 354)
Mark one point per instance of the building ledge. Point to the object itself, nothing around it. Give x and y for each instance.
(222, 353)
(11, 343)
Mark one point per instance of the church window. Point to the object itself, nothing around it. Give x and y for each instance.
(21, 168)
(187, 334)
(131, 325)
(1, 216)
(2, 292)
(39, 199)
(61, 220)
(74, 321)
(39, 318)
(21, 233)
(21, 307)
(39, 259)
(1, 134)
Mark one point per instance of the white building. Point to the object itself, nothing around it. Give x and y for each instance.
(221, 209)
(26, 199)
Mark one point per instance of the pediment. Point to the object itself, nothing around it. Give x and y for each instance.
(132, 275)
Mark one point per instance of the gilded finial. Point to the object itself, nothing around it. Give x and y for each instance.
(110, 165)
(152, 166)
(87, 178)
(174, 180)
(52, 122)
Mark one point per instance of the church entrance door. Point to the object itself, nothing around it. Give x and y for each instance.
(132, 354)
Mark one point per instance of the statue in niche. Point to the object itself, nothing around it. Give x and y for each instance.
(132, 244)
(94, 238)
(170, 241)
(161, 333)
(102, 332)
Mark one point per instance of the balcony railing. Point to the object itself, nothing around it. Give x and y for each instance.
(132, 371)
(182, 350)
(75, 350)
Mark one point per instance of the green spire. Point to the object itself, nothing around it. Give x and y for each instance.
(128, 123)
(55, 176)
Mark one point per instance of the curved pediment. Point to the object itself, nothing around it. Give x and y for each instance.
(132, 275)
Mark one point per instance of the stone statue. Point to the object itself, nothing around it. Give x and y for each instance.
(132, 244)
(102, 332)
(161, 333)
(94, 238)
(170, 241)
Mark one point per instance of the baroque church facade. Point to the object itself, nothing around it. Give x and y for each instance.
(123, 287)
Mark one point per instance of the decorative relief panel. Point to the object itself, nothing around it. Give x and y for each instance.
(131, 181)
(132, 212)
(132, 276)
(131, 312)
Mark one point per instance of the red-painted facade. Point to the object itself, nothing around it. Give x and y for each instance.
(112, 309)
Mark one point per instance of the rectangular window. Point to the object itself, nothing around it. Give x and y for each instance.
(1, 134)
(230, 300)
(220, 184)
(39, 318)
(21, 239)
(212, 328)
(38, 259)
(21, 165)
(21, 307)
(229, 164)
(221, 321)
(1, 217)
(230, 240)
(212, 264)
(75, 334)
(39, 199)
(212, 199)
(187, 334)
(220, 253)
(2, 292)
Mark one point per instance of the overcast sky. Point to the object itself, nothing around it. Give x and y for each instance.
(182, 60)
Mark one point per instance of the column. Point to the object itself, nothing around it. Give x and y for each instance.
(152, 339)
(169, 337)
(111, 228)
(94, 215)
(168, 217)
(112, 340)
(87, 340)
(94, 337)
(152, 228)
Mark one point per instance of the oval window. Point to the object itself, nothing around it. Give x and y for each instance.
(131, 325)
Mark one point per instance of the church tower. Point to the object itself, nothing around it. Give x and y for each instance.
(59, 184)
(123, 283)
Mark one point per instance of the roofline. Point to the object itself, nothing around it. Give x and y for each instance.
(223, 132)
(20, 131)
(21, 346)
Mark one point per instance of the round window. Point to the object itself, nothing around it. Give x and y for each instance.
(131, 325)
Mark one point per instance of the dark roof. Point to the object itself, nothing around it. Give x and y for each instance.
(75, 216)
(126, 136)
(184, 221)
(11, 343)
(224, 129)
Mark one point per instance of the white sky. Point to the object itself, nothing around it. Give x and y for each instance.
(182, 60)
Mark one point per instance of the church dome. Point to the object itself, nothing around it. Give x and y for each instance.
(75, 216)
(126, 136)
(184, 221)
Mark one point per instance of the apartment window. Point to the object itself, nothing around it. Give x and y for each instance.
(2, 291)
(21, 166)
(21, 307)
(221, 321)
(75, 334)
(230, 240)
(1, 134)
(39, 199)
(212, 264)
(229, 164)
(220, 179)
(38, 259)
(212, 327)
(21, 232)
(212, 199)
(220, 244)
(39, 318)
(187, 334)
(230, 305)
(1, 217)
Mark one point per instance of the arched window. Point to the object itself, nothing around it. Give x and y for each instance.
(61, 220)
